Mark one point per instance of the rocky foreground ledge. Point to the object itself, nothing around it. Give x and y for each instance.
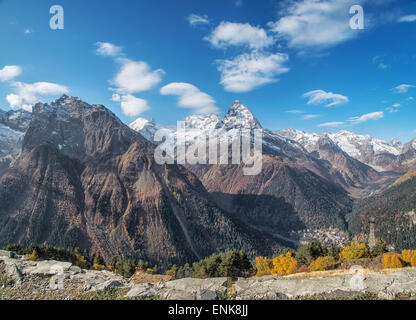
(23, 279)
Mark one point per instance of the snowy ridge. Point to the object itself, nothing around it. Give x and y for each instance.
(13, 126)
(239, 119)
(355, 144)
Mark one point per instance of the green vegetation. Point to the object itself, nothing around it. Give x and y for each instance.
(315, 256)
(230, 264)
(389, 208)
(380, 248)
(313, 250)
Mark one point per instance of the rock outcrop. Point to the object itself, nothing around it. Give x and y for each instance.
(384, 285)
(21, 278)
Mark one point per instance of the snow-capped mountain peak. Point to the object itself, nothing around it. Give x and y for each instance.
(146, 128)
(141, 123)
(203, 122)
(357, 145)
(239, 116)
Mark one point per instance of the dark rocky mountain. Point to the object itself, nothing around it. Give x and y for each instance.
(345, 170)
(84, 179)
(394, 211)
(294, 190)
(407, 157)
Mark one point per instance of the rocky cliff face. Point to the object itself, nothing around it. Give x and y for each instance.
(294, 190)
(13, 126)
(345, 170)
(84, 179)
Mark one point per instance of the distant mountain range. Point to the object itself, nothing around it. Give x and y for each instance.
(72, 174)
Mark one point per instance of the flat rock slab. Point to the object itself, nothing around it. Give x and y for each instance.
(386, 286)
(46, 268)
(7, 254)
(182, 289)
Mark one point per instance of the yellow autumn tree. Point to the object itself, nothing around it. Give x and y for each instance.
(80, 261)
(322, 264)
(354, 251)
(407, 255)
(284, 264)
(33, 256)
(413, 261)
(264, 266)
(392, 260)
(98, 267)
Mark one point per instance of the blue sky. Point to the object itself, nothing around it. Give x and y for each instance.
(294, 63)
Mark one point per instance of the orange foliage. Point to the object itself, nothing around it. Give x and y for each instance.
(355, 251)
(264, 266)
(413, 261)
(303, 269)
(284, 265)
(407, 255)
(391, 261)
(322, 264)
(98, 267)
(33, 256)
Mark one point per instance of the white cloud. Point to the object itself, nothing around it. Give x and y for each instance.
(249, 71)
(9, 72)
(195, 19)
(382, 66)
(408, 18)
(392, 110)
(27, 94)
(191, 97)
(331, 124)
(313, 23)
(136, 76)
(310, 116)
(228, 34)
(107, 49)
(133, 77)
(319, 97)
(116, 97)
(14, 100)
(28, 31)
(295, 111)
(132, 106)
(403, 88)
(367, 117)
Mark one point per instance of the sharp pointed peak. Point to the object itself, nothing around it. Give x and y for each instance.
(240, 116)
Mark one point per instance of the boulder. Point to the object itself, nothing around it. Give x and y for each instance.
(142, 291)
(47, 268)
(13, 272)
(106, 285)
(7, 254)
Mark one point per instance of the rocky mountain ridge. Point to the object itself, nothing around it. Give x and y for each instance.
(84, 179)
